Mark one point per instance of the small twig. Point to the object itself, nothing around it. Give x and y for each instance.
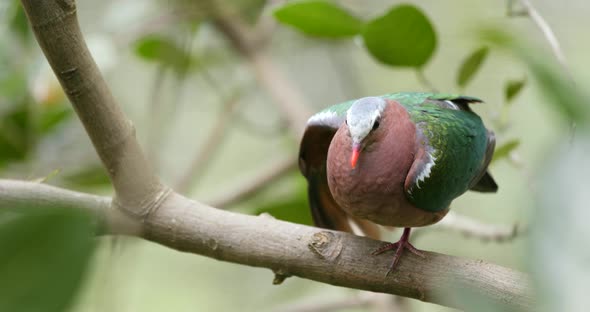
(531, 11)
(210, 146)
(254, 185)
(277, 128)
(425, 81)
(474, 228)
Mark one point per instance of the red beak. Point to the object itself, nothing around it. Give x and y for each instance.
(356, 150)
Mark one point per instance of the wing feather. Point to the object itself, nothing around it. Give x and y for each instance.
(313, 154)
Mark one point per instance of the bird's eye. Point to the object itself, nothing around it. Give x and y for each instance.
(375, 125)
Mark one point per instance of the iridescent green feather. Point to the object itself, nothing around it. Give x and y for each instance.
(458, 140)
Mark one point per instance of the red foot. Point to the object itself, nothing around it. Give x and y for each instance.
(399, 246)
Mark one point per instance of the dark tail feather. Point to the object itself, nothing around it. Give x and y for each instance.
(327, 213)
(486, 184)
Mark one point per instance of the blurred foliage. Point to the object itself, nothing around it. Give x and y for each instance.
(560, 91)
(471, 65)
(513, 88)
(91, 176)
(44, 258)
(319, 18)
(288, 207)
(17, 21)
(24, 119)
(504, 150)
(163, 50)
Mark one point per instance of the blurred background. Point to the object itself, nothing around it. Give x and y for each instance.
(213, 130)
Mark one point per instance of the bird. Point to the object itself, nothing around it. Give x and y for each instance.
(394, 160)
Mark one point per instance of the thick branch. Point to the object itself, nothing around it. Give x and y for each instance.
(291, 249)
(56, 27)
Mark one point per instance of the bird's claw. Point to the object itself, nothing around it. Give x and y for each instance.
(399, 248)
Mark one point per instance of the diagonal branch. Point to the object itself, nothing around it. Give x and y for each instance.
(56, 27)
(541, 23)
(288, 99)
(470, 227)
(335, 258)
(209, 147)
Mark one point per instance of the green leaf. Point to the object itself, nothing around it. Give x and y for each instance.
(293, 207)
(319, 19)
(16, 135)
(89, 177)
(471, 65)
(154, 48)
(43, 260)
(18, 22)
(504, 150)
(53, 115)
(402, 37)
(512, 88)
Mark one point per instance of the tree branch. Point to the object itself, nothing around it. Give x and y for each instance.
(55, 25)
(331, 257)
(474, 228)
(210, 146)
(531, 11)
(289, 100)
(252, 186)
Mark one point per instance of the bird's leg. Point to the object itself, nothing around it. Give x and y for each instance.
(399, 246)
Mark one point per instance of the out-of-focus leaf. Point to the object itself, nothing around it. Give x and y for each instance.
(165, 51)
(504, 150)
(319, 18)
(403, 36)
(18, 22)
(13, 85)
(16, 139)
(471, 65)
(512, 88)
(250, 9)
(91, 176)
(560, 234)
(53, 115)
(292, 208)
(43, 260)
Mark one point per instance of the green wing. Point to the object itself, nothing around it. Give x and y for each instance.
(454, 150)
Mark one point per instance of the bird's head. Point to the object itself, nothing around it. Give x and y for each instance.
(362, 118)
